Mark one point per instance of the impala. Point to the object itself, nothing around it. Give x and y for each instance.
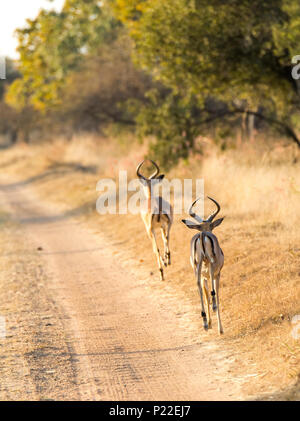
(207, 260)
(158, 214)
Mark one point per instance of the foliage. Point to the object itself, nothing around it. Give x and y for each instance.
(207, 63)
(238, 52)
(100, 92)
(11, 74)
(52, 45)
(174, 122)
(9, 117)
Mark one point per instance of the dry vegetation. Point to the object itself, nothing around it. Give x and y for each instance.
(259, 190)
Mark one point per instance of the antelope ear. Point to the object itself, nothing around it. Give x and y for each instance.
(191, 224)
(216, 223)
(155, 181)
(160, 177)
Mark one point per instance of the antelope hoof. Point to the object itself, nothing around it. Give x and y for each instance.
(169, 258)
(161, 274)
(205, 325)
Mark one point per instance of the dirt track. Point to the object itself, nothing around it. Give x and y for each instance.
(94, 330)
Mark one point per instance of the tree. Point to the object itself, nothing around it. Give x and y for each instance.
(237, 51)
(76, 70)
(53, 45)
(101, 92)
(11, 75)
(9, 117)
(174, 121)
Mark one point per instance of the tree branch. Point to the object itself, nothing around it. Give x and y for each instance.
(286, 128)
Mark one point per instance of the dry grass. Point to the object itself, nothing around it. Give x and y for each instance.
(259, 190)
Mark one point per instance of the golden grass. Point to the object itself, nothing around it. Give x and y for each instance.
(259, 191)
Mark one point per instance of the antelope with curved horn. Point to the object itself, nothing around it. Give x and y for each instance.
(207, 260)
(158, 214)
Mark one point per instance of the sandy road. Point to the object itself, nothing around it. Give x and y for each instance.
(122, 340)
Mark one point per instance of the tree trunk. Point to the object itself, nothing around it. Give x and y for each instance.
(251, 121)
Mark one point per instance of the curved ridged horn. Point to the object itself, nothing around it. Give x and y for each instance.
(192, 214)
(214, 214)
(156, 171)
(138, 171)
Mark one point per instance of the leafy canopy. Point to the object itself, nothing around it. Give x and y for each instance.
(237, 51)
(52, 45)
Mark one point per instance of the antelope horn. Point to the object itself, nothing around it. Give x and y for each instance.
(214, 214)
(156, 171)
(138, 171)
(192, 214)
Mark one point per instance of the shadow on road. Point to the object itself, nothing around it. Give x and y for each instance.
(56, 169)
(27, 215)
(35, 218)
